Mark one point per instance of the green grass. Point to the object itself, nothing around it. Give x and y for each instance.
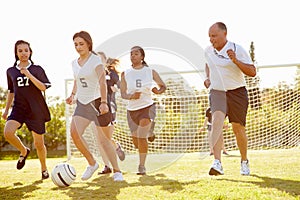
(275, 174)
(14, 155)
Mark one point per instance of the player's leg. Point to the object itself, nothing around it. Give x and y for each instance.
(78, 126)
(152, 114)
(218, 107)
(109, 149)
(241, 139)
(217, 133)
(104, 157)
(142, 133)
(41, 152)
(211, 150)
(10, 129)
(237, 112)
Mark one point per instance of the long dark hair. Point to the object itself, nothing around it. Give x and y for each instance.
(16, 47)
(140, 49)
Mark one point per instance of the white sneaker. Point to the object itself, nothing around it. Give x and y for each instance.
(89, 172)
(118, 176)
(216, 168)
(141, 170)
(245, 170)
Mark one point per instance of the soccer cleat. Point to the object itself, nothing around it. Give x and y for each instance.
(106, 170)
(89, 172)
(45, 175)
(118, 176)
(216, 168)
(22, 159)
(141, 170)
(245, 170)
(120, 152)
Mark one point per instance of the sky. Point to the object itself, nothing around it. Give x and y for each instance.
(49, 26)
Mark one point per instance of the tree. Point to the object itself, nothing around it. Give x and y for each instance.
(55, 128)
(253, 84)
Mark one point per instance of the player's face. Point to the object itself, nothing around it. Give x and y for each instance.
(81, 46)
(136, 57)
(217, 37)
(23, 52)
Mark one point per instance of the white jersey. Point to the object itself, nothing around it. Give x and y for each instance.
(87, 80)
(139, 80)
(223, 73)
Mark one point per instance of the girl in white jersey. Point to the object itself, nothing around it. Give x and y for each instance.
(91, 90)
(136, 86)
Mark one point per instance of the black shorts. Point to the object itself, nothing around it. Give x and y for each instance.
(134, 117)
(237, 105)
(36, 125)
(91, 112)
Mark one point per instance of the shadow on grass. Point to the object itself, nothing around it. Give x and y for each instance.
(289, 186)
(104, 187)
(19, 191)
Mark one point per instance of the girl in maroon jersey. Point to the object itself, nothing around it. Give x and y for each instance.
(26, 82)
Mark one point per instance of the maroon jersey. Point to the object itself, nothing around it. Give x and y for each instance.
(28, 99)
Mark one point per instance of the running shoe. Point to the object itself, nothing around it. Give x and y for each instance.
(245, 170)
(89, 172)
(141, 170)
(216, 168)
(118, 176)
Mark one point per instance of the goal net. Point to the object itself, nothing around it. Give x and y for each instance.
(273, 119)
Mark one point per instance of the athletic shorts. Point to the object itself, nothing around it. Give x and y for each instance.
(217, 101)
(91, 112)
(35, 125)
(134, 117)
(237, 105)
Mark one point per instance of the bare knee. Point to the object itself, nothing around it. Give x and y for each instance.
(39, 145)
(135, 142)
(8, 133)
(238, 129)
(74, 134)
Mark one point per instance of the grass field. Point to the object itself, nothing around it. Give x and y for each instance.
(275, 174)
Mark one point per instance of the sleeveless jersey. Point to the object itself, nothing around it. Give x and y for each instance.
(139, 80)
(87, 80)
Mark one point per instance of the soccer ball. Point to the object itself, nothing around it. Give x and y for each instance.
(63, 175)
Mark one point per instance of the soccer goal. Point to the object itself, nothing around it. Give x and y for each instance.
(273, 119)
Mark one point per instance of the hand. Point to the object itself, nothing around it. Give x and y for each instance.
(155, 90)
(103, 108)
(136, 95)
(207, 83)
(231, 54)
(24, 71)
(69, 100)
(202, 129)
(4, 115)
